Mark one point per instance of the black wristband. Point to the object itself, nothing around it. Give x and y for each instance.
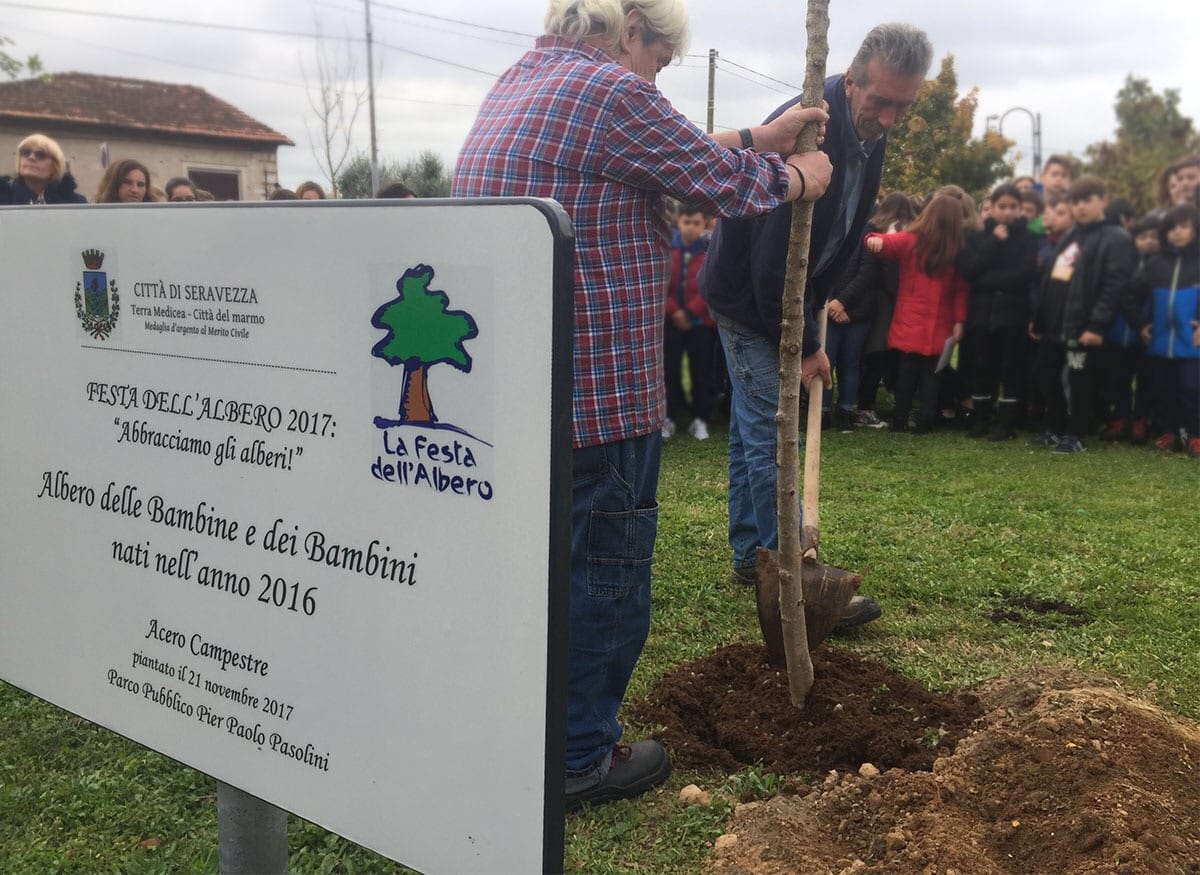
(803, 181)
(747, 139)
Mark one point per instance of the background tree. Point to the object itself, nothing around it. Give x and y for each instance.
(13, 67)
(427, 175)
(355, 178)
(932, 145)
(1151, 133)
(335, 100)
(421, 332)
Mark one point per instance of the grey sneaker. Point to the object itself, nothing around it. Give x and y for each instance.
(1045, 439)
(635, 768)
(668, 429)
(868, 419)
(698, 429)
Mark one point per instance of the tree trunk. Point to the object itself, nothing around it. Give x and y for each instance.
(787, 463)
(415, 405)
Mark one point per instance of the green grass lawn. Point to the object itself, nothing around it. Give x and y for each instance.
(940, 527)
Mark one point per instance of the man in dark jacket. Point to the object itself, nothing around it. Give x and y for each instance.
(742, 279)
(1079, 296)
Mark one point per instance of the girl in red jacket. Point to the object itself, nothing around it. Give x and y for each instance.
(931, 303)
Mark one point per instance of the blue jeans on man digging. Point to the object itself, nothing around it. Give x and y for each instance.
(614, 519)
(753, 364)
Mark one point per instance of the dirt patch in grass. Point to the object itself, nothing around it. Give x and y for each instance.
(1059, 772)
(1016, 608)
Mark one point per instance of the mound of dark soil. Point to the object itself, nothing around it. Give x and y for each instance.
(731, 709)
(1060, 773)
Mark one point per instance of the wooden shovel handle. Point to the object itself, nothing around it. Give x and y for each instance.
(812, 457)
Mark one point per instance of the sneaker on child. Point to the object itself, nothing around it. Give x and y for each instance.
(668, 429)
(868, 419)
(698, 429)
(1068, 443)
(1045, 439)
(1116, 430)
(1165, 442)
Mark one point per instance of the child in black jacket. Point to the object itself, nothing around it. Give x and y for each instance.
(1074, 306)
(1000, 263)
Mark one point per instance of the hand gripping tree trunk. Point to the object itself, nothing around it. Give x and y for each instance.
(787, 463)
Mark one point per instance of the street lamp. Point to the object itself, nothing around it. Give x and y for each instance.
(1035, 119)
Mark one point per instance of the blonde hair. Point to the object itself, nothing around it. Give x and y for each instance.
(41, 141)
(666, 21)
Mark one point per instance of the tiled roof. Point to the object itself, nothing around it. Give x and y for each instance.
(82, 99)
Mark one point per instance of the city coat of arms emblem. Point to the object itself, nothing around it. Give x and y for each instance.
(97, 303)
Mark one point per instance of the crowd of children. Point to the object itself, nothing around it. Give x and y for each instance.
(1047, 307)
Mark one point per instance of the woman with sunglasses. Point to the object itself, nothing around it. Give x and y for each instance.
(41, 177)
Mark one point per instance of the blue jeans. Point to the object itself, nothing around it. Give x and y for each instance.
(614, 519)
(844, 346)
(753, 364)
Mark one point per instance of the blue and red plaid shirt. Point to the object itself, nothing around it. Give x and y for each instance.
(569, 123)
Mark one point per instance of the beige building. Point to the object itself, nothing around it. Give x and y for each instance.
(175, 130)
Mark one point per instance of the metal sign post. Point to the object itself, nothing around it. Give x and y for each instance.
(251, 834)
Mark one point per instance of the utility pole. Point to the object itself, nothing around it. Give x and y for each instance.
(712, 87)
(371, 100)
(1037, 145)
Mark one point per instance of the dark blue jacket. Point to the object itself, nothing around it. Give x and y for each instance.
(743, 274)
(14, 191)
(1171, 283)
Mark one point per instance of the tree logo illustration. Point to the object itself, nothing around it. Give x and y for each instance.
(422, 331)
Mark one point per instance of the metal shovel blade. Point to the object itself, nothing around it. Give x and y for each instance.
(827, 592)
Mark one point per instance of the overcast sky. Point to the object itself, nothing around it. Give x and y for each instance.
(1065, 60)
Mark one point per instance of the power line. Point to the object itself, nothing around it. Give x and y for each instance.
(753, 81)
(701, 124)
(725, 60)
(452, 20)
(172, 21)
(439, 60)
(245, 77)
(240, 28)
(407, 23)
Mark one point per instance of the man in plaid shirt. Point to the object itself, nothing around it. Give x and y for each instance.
(579, 120)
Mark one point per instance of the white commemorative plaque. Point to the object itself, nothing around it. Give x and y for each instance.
(286, 497)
